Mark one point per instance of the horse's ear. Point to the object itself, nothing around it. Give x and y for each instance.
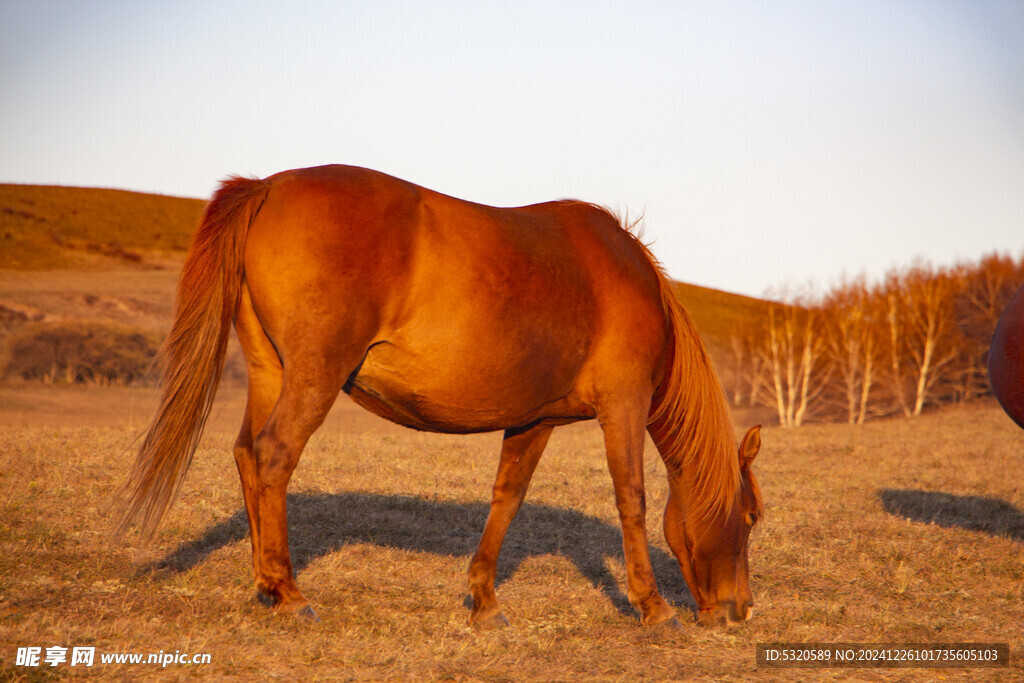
(750, 445)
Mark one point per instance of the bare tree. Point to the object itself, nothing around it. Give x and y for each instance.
(922, 333)
(894, 298)
(852, 312)
(738, 345)
(982, 291)
(747, 364)
(794, 360)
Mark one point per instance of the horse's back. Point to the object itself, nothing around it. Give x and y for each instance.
(472, 317)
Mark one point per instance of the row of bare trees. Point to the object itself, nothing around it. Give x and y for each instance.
(917, 338)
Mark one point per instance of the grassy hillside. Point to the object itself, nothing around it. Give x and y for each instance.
(43, 228)
(717, 315)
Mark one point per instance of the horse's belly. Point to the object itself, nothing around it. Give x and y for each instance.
(459, 395)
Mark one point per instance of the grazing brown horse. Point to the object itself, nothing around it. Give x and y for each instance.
(1006, 359)
(448, 316)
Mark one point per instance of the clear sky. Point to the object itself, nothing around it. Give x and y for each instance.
(767, 142)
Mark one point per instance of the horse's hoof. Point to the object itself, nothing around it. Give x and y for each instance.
(666, 625)
(494, 621)
(306, 612)
(660, 617)
(303, 611)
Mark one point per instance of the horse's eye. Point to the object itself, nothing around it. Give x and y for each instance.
(751, 518)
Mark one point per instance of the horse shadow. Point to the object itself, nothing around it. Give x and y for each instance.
(320, 523)
(975, 513)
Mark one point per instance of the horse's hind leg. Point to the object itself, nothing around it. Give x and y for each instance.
(306, 397)
(281, 413)
(264, 386)
(520, 451)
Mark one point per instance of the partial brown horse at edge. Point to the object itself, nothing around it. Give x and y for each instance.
(444, 315)
(1006, 359)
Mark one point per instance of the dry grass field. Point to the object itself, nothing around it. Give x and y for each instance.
(899, 531)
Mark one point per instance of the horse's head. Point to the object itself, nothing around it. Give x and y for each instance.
(712, 550)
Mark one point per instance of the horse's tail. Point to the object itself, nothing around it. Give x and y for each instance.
(690, 418)
(192, 356)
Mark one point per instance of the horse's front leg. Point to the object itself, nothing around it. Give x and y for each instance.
(520, 451)
(624, 443)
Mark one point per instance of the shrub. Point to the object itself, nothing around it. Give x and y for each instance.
(81, 352)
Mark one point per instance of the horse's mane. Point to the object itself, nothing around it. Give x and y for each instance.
(698, 431)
